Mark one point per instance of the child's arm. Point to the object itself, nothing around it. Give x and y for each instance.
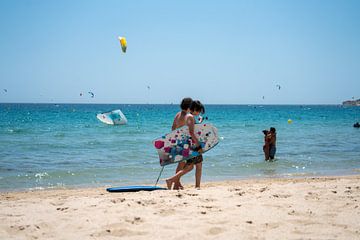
(191, 124)
(173, 127)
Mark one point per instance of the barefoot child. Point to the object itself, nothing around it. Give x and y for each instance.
(179, 121)
(196, 108)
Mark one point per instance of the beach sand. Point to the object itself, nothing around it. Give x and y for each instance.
(306, 208)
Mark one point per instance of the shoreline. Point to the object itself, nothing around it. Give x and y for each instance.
(188, 182)
(325, 207)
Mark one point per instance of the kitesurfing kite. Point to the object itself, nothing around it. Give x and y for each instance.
(5, 90)
(278, 86)
(92, 94)
(123, 43)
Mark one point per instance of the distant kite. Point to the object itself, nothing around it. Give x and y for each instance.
(92, 94)
(5, 90)
(123, 43)
(81, 94)
(263, 97)
(148, 87)
(278, 86)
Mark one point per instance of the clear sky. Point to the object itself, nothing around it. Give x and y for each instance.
(216, 51)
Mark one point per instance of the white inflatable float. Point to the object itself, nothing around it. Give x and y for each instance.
(115, 117)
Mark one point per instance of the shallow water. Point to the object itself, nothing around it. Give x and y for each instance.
(51, 145)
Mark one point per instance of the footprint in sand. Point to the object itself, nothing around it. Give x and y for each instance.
(15, 215)
(207, 200)
(215, 231)
(135, 220)
(281, 195)
(117, 230)
(311, 195)
(240, 193)
(292, 212)
(118, 200)
(272, 225)
(62, 209)
(192, 194)
(166, 212)
(179, 195)
(140, 203)
(149, 202)
(263, 189)
(234, 189)
(57, 203)
(207, 207)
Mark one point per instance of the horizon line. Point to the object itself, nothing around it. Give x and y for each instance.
(244, 104)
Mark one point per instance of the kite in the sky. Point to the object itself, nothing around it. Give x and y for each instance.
(278, 86)
(92, 94)
(123, 43)
(148, 87)
(5, 90)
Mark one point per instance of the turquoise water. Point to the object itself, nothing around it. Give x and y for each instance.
(50, 145)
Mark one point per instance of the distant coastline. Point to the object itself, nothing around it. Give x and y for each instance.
(351, 103)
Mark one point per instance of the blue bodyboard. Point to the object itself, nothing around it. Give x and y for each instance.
(134, 188)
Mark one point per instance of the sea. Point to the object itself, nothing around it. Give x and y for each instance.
(46, 146)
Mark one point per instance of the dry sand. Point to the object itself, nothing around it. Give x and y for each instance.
(308, 208)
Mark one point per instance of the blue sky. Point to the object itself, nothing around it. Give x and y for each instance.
(216, 51)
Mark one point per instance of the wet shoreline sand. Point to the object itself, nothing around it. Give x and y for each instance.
(276, 208)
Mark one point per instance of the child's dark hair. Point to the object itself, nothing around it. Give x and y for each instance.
(186, 103)
(196, 105)
(272, 129)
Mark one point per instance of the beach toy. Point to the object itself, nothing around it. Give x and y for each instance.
(289, 121)
(115, 117)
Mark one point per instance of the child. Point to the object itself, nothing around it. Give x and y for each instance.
(196, 108)
(179, 121)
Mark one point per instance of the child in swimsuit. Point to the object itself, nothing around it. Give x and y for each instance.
(179, 121)
(196, 108)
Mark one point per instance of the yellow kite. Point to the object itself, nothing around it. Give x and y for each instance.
(123, 43)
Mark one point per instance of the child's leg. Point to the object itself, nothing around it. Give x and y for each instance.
(198, 172)
(180, 166)
(176, 178)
